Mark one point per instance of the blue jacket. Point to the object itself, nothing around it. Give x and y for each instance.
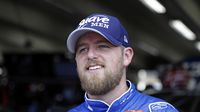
(130, 100)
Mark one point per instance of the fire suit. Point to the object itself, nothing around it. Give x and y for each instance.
(130, 100)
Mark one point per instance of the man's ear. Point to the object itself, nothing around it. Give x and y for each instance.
(128, 55)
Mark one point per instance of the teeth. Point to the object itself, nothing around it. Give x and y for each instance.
(94, 67)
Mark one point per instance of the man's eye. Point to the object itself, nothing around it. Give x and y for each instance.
(80, 50)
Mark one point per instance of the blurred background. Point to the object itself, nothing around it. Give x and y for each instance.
(38, 74)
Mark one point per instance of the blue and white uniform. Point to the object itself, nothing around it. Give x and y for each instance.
(130, 100)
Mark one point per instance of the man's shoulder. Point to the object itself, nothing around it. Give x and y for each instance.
(141, 97)
(154, 104)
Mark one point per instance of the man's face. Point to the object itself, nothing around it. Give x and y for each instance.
(99, 64)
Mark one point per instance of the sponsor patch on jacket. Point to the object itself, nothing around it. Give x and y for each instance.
(158, 106)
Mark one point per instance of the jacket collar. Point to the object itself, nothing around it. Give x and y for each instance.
(101, 106)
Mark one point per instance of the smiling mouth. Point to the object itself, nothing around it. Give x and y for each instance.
(94, 67)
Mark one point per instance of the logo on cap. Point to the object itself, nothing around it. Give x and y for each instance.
(125, 39)
(97, 20)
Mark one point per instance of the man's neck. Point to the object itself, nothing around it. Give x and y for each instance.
(113, 94)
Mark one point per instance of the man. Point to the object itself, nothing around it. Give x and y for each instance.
(102, 52)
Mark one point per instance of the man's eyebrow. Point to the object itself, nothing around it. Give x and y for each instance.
(80, 45)
(97, 42)
(102, 41)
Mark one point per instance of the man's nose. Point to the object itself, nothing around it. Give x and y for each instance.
(92, 53)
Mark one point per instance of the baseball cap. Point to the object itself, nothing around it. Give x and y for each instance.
(107, 26)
